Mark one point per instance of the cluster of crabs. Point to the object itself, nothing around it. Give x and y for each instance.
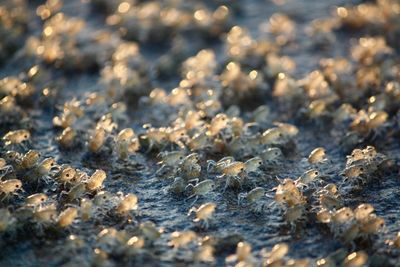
(206, 127)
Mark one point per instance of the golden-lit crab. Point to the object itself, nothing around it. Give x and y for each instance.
(126, 143)
(16, 137)
(231, 172)
(287, 194)
(317, 155)
(127, 203)
(9, 188)
(182, 239)
(203, 213)
(36, 199)
(156, 137)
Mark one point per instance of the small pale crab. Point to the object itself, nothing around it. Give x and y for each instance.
(127, 203)
(177, 135)
(13, 158)
(200, 188)
(126, 143)
(96, 139)
(277, 253)
(67, 217)
(342, 216)
(273, 136)
(66, 174)
(156, 137)
(309, 178)
(45, 215)
(102, 198)
(170, 160)
(218, 166)
(189, 167)
(287, 129)
(366, 156)
(30, 159)
(96, 180)
(44, 167)
(372, 225)
(329, 189)
(76, 192)
(16, 137)
(36, 199)
(318, 155)
(231, 174)
(362, 212)
(86, 209)
(178, 186)
(243, 255)
(67, 138)
(329, 202)
(324, 216)
(354, 173)
(9, 188)
(203, 213)
(181, 239)
(193, 119)
(189, 161)
(219, 122)
(253, 165)
(200, 141)
(295, 214)
(287, 194)
(272, 155)
(253, 198)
